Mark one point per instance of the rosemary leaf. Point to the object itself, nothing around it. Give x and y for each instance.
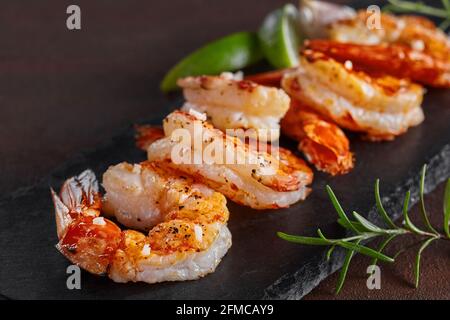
(319, 232)
(330, 252)
(367, 224)
(347, 244)
(383, 245)
(389, 8)
(418, 257)
(304, 240)
(339, 210)
(417, 7)
(447, 209)
(344, 270)
(380, 207)
(408, 222)
(446, 23)
(355, 224)
(364, 250)
(422, 202)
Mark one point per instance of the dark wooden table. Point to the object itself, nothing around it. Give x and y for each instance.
(64, 91)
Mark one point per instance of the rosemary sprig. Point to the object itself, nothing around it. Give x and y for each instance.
(423, 211)
(400, 6)
(447, 209)
(363, 230)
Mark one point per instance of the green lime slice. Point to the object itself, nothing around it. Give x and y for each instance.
(280, 38)
(230, 53)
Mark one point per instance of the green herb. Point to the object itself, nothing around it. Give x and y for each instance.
(400, 6)
(422, 202)
(363, 230)
(447, 209)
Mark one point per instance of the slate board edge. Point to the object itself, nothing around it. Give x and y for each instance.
(287, 287)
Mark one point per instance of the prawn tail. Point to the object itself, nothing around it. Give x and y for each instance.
(78, 195)
(62, 216)
(326, 146)
(85, 238)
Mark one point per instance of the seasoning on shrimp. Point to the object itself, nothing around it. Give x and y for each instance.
(262, 178)
(169, 252)
(242, 105)
(380, 106)
(402, 46)
(394, 60)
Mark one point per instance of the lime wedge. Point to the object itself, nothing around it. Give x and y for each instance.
(280, 38)
(230, 53)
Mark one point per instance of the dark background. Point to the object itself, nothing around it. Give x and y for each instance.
(63, 91)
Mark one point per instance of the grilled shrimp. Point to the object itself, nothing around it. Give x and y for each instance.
(418, 33)
(380, 106)
(140, 195)
(323, 143)
(402, 46)
(395, 60)
(249, 176)
(237, 104)
(320, 19)
(315, 17)
(187, 243)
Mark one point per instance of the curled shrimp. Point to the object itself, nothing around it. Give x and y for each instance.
(256, 178)
(234, 104)
(418, 33)
(186, 244)
(395, 60)
(322, 20)
(380, 106)
(315, 17)
(402, 46)
(323, 143)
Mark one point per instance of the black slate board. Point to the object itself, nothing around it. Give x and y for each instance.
(259, 265)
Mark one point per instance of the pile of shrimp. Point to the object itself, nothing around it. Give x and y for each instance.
(414, 32)
(352, 78)
(180, 208)
(401, 46)
(368, 79)
(258, 107)
(362, 79)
